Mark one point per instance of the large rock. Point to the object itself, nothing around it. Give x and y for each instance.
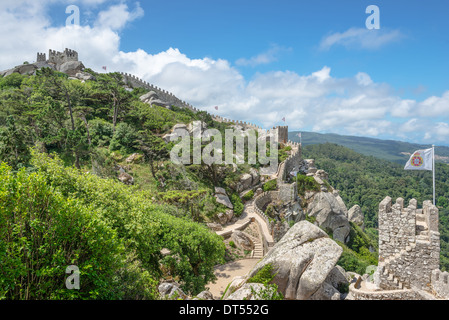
(235, 284)
(242, 240)
(171, 290)
(326, 292)
(355, 216)
(222, 197)
(85, 76)
(255, 176)
(71, 67)
(301, 260)
(224, 200)
(28, 69)
(204, 295)
(249, 291)
(246, 181)
(340, 201)
(330, 214)
(126, 178)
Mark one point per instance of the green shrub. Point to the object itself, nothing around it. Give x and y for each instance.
(100, 132)
(238, 204)
(124, 138)
(145, 228)
(13, 81)
(352, 261)
(264, 275)
(248, 196)
(305, 183)
(232, 244)
(42, 232)
(270, 185)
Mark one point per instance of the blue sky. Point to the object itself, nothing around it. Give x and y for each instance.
(313, 62)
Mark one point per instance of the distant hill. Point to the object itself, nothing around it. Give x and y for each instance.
(396, 151)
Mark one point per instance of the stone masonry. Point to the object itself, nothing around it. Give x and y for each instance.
(409, 246)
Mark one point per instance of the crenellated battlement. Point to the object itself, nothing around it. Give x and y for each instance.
(59, 58)
(41, 57)
(440, 283)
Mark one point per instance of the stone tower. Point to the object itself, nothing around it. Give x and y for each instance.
(409, 245)
(59, 58)
(41, 57)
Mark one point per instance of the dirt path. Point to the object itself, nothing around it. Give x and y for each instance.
(226, 272)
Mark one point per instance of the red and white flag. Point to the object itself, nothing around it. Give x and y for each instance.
(283, 119)
(216, 107)
(104, 67)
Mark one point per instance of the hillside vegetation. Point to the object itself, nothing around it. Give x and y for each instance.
(63, 144)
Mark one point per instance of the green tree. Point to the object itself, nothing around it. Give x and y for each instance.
(13, 149)
(112, 86)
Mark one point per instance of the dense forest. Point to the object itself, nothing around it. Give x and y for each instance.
(366, 181)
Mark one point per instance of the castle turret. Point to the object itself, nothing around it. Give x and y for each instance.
(41, 57)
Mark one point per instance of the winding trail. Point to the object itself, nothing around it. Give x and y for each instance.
(225, 273)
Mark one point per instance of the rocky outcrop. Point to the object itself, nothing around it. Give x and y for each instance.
(180, 129)
(301, 261)
(242, 240)
(330, 289)
(330, 214)
(152, 98)
(204, 295)
(222, 197)
(171, 290)
(126, 178)
(71, 68)
(355, 216)
(247, 292)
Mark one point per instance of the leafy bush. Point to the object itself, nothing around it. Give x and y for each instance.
(270, 185)
(306, 183)
(264, 275)
(238, 204)
(13, 81)
(100, 132)
(42, 232)
(145, 228)
(124, 138)
(248, 196)
(352, 261)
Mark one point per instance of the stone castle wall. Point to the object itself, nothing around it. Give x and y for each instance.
(171, 99)
(57, 57)
(292, 163)
(409, 245)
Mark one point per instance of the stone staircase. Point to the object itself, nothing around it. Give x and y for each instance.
(387, 271)
(258, 248)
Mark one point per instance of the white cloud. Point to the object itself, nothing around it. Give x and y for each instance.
(361, 38)
(316, 101)
(266, 57)
(117, 16)
(435, 106)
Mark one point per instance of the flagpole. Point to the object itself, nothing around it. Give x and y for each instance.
(433, 171)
